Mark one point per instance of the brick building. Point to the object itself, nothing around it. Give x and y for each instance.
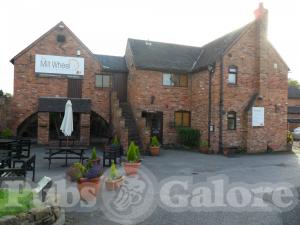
(234, 89)
(293, 108)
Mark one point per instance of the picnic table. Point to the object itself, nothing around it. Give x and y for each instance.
(65, 152)
(4, 142)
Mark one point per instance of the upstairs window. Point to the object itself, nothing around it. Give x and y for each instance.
(175, 80)
(231, 120)
(103, 81)
(182, 119)
(232, 75)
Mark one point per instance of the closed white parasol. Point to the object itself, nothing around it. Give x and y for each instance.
(67, 123)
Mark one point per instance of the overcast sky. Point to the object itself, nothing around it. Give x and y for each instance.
(104, 26)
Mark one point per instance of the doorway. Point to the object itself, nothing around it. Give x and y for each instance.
(154, 121)
(119, 85)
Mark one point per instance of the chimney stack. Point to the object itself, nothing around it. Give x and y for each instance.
(261, 18)
(261, 12)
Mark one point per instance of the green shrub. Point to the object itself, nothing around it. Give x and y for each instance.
(113, 173)
(289, 138)
(94, 154)
(115, 141)
(6, 133)
(154, 141)
(23, 199)
(188, 136)
(133, 153)
(204, 144)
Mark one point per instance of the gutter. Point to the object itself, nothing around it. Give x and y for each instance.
(211, 71)
(221, 107)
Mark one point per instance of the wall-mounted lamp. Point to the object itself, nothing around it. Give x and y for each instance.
(211, 68)
(260, 97)
(78, 53)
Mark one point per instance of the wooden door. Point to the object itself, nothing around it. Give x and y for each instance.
(74, 88)
(119, 85)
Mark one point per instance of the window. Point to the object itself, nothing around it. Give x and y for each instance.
(103, 81)
(232, 75)
(182, 119)
(175, 80)
(231, 120)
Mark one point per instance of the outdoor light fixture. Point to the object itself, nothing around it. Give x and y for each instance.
(211, 68)
(78, 53)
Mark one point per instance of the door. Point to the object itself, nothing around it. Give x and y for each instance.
(154, 120)
(119, 85)
(74, 88)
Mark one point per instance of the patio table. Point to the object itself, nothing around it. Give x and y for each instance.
(4, 142)
(71, 152)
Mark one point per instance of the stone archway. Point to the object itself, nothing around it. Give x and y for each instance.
(29, 127)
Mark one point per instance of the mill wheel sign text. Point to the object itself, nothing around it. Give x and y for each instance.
(51, 64)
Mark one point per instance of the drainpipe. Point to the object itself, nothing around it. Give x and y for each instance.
(211, 70)
(221, 108)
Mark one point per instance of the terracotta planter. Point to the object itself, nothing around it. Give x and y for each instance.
(115, 184)
(95, 161)
(204, 150)
(89, 188)
(154, 150)
(226, 152)
(131, 168)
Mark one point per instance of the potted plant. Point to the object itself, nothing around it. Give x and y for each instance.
(154, 147)
(204, 148)
(114, 181)
(94, 158)
(133, 160)
(88, 177)
(115, 141)
(290, 141)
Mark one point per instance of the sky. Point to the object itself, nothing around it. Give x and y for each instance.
(104, 26)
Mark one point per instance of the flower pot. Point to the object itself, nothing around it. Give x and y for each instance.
(154, 150)
(88, 188)
(95, 161)
(131, 168)
(115, 184)
(226, 151)
(204, 150)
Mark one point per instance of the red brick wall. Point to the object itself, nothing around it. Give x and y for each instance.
(142, 84)
(28, 87)
(294, 101)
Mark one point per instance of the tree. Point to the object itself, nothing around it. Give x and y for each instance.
(294, 83)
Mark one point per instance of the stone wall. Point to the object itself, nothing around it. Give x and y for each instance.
(46, 215)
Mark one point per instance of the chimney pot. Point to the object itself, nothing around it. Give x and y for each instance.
(260, 12)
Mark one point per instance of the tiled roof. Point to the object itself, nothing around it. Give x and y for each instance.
(112, 63)
(151, 55)
(294, 92)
